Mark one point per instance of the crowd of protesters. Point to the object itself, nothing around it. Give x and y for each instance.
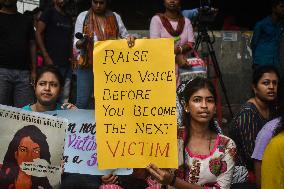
(41, 49)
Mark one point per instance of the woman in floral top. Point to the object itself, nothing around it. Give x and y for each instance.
(206, 158)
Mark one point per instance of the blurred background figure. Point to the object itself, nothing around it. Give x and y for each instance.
(267, 35)
(17, 56)
(250, 119)
(172, 24)
(97, 24)
(54, 39)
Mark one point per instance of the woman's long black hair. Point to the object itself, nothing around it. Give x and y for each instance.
(190, 88)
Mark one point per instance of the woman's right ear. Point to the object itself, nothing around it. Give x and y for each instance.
(186, 108)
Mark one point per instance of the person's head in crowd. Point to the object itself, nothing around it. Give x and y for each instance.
(28, 143)
(278, 8)
(59, 3)
(199, 101)
(172, 5)
(48, 86)
(99, 7)
(265, 83)
(8, 4)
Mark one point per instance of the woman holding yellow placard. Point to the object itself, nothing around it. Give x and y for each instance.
(172, 24)
(206, 158)
(97, 24)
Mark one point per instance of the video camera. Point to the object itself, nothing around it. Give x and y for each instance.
(206, 13)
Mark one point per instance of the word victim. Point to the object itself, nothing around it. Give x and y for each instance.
(138, 148)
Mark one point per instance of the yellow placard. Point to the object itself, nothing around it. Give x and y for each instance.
(135, 103)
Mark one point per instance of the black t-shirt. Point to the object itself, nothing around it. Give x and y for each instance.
(16, 32)
(57, 36)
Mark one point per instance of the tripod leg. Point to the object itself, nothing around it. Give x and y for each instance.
(218, 73)
(198, 41)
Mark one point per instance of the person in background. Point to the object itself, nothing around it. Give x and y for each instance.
(54, 39)
(171, 24)
(97, 24)
(36, 15)
(272, 168)
(48, 87)
(17, 56)
(206, 158)
(190, 13)
(251, 117)
(265, 134)
(267, 34)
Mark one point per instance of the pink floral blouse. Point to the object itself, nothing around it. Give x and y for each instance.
(214, 170)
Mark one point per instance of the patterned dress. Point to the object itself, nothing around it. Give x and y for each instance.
(211, 171)
(244, 129)
(214, 170)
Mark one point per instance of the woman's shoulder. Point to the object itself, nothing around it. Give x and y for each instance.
(278, 140)
(156, 18)
(116, 14)
(274, 148)
(247, 108)
(226, 141)
(82, 15)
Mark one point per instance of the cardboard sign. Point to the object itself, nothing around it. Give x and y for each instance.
(80, 152)
(31, 148)
(135, 103)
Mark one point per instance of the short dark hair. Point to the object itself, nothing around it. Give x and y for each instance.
(52, 69)
(260, 70)
(196, 84)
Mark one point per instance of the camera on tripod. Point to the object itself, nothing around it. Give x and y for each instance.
(206, 13)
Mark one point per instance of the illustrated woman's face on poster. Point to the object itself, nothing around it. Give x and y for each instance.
(27, 151)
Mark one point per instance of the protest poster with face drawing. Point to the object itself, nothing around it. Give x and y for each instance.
(31, 149)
